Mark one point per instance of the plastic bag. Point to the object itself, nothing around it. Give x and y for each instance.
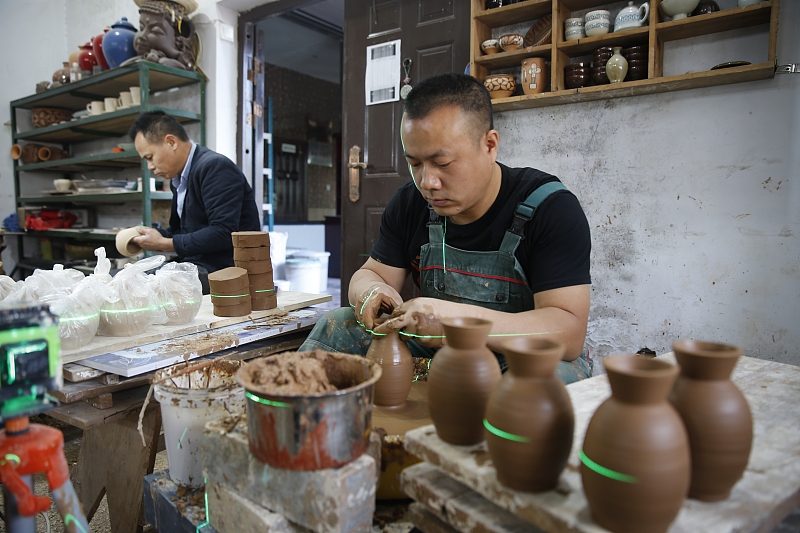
(7, 285)
(79, 312)
(180, 291)
(136, 305)
(21, 293)
(56, 281)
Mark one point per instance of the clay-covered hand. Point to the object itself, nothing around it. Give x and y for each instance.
(419, 318)
(151, 239)
(379, 299)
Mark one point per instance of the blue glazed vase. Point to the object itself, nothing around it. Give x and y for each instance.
(118, 43)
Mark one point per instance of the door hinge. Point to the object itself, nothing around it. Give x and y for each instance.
(793, 68)
(258, 110)
(251, 76)
(258, 66)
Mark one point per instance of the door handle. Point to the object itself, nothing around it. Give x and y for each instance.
(355, 165)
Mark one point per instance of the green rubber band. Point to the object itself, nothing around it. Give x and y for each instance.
(504, 434)
(259, 399)
(607, 472)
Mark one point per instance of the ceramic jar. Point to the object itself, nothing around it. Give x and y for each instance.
(617, 66)
(678, 9)
(97, 46)
(394, 357)
(635, 463)
(631, 16)
(62, 74)
(534, 75)
(461, 377)
(511, 41)
(87, 59)
(529, 417)
(118, 43)
(716, 415)
(500, 85)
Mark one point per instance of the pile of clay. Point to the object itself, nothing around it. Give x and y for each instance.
(301, 373)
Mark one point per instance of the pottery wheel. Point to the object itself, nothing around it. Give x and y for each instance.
(411, 415)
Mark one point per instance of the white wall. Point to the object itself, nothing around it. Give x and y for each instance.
(693, 202)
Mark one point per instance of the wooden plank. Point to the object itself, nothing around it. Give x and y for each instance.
(510, 14)
(427, 521)
(103, 401)
(75, 392)
(513, 58)
(588, 45)
(769, 489)
(773, 33)
(84, 416)
(719, 21)
(205, 320)
(76, 373)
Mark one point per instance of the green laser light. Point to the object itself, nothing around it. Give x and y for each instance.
(504, 434)
(259, 399)
(607, 472)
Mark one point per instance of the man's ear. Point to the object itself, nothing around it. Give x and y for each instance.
(172, 141)
(492, 142)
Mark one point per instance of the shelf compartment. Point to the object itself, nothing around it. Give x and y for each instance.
(110, 83)
(83, 234)
(588, 45)
(107, 198)
(680, 82)
(511, 14)
(87, 163)
(513, 58)
(719, 21)
(114, 124)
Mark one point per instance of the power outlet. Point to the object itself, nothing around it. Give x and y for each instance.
(226, 32)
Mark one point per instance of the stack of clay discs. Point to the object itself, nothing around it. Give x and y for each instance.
(230, 291)
(251, 252)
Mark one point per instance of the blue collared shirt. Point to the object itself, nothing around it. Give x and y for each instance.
(181, 181)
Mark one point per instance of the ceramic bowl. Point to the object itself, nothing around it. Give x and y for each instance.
(574, 22)
(632, 50)
(678, 9)
(573, 34)
(491, 46)
(47, 116)
(636, 73)
(599, 14)
(500, 85)
(511, 41)
(634, 57)
(599, 75)
(597, 27)
(62, 185)
(637, 63)
(573, 66)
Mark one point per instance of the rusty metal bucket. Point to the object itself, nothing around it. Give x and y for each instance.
(315, 431)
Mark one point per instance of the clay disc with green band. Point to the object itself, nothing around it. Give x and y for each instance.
(228, 300)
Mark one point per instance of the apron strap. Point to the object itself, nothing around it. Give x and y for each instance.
(435, 233)
(524, 213)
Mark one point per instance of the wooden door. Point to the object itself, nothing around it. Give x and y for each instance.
(435, 36)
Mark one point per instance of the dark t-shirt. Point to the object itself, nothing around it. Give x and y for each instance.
(553, 254)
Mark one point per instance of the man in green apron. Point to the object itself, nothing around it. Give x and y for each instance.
(480, 239)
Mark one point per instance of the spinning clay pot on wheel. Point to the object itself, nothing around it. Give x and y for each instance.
(125, 244)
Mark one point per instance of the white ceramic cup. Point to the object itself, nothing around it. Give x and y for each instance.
(110, 104)
(96, 107)
(125, 99)
(598, 14)
(136, 96)
(62, 185)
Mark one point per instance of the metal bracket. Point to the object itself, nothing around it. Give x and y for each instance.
(258, 66)
(258, 110)
(793, 68)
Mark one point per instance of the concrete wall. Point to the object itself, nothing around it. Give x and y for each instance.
(692, 198)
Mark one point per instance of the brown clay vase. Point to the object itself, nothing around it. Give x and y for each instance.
(635, 463)
(461, 377)
(716, 415)
(529, 417)
(394, 357)
(48, 153)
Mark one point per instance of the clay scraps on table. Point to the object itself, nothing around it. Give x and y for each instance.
(190, 502)
(201, 345)
(290, 374)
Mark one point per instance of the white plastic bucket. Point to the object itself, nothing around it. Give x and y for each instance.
(190, 396)
(303, 274)
(277, 252)
(322, 258)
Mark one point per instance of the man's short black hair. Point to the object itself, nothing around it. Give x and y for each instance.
(155, 125)
(451, 90)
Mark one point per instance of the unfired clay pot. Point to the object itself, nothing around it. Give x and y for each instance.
(125, 244)
(461, 377)
(529, 416)
(395, 359)
(716, 415)
(635, 463)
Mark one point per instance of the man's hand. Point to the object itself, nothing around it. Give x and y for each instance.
(151, 239)
(379, 299)
(419, 316)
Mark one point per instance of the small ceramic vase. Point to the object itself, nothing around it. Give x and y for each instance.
(62, 74)
(716, 415)
(617, 66)
(461, 377)
(635, 463)
(534, 75)
(118, 43)
(74, 57)
(87, 59)
(125, 244)
(395, 359)
(529, 417)
(97, 46)
(48, 153)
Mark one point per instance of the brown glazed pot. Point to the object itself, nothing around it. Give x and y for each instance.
(394, 357)
(635, 463)
(461, 377)
(532, 405)
(716, 415)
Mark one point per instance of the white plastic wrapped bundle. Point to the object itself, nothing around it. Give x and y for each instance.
(7, 285)
(22, 292)
(180, 291)
(136, 305)
(56, 281)
(79, 312)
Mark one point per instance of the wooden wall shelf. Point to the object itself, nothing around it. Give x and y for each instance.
(654, 35)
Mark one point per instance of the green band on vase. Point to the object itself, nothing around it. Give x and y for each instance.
(607, 472)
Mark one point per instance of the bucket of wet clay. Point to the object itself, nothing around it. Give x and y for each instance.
(190, 395)
(309, 410)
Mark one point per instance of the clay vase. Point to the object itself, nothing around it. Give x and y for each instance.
(461, 377)
(394, 357)
(29, 154)
(87, 59)
(635, 463)
(716, 415)
(617, 66)
(62, 74)
(118, 43)
(48, 153)
(16, 151)
(124, 242)
(529, 416)
(97, 48)
(534, 75)
(74, 57)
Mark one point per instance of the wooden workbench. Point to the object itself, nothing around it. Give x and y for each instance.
(458, 485)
